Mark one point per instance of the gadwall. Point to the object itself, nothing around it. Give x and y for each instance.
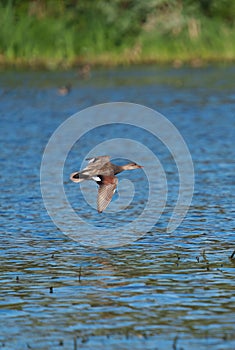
(103, 172)
(64, 90)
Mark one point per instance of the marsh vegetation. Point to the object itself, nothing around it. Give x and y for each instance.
(61, 34)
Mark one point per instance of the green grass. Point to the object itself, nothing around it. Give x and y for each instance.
(213, 43)
(66, 39)
(28, 39)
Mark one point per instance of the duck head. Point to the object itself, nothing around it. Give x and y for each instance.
(132, 166)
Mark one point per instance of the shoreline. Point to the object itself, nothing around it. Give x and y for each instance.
(108, 61)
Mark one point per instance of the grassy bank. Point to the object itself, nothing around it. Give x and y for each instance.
(61, 34)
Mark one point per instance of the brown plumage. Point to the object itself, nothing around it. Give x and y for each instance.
(103, 172)
(64, 90)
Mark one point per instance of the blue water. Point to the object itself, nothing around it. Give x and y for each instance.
(164, 291)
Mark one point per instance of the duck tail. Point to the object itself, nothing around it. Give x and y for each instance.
(75, 177)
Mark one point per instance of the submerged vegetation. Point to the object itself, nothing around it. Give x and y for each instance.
(63, 33)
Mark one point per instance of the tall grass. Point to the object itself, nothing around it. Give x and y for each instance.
(209, 41)
(31, 39)
(105, 33)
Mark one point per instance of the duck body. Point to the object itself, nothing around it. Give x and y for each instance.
(64, 90)
(103, 172)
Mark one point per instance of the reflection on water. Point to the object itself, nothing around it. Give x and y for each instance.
(164, 291)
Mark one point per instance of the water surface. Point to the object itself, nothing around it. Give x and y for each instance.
(165, 291)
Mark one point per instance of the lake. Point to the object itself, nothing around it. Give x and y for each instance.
(162, 290)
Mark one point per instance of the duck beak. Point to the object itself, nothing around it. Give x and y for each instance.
(140, 166)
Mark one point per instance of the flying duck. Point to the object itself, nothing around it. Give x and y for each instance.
(102, 171)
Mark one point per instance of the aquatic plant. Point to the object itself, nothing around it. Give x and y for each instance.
(64, 33)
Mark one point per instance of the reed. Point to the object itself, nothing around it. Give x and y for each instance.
(208, 41)
(64, 37)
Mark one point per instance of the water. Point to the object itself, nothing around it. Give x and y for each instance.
(164, 291)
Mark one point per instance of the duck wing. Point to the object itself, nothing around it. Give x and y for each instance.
(105, 194)
(101, 160)
(94, 165)
(91, 170)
